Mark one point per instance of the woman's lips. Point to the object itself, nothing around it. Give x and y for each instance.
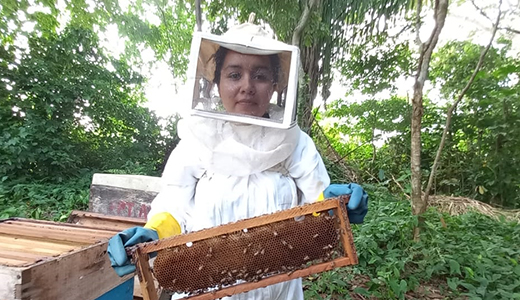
(246, 102)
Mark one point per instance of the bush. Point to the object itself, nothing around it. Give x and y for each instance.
(43, 200)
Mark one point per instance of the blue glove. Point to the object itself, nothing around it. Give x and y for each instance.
(357, 206)
(129, 237)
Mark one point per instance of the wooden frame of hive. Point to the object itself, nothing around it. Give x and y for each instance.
(48, 260)
(141, 252)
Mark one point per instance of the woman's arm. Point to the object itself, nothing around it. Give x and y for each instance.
(179, 179)
(306, 167)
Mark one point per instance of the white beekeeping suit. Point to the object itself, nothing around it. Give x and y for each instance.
(223, 171)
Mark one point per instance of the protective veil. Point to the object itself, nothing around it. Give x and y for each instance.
(222, 172)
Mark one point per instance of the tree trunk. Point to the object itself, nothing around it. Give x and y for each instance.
(426, 50)
(198, 15)
(454, 106)
(308, 85)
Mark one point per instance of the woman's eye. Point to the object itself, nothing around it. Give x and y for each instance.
(234, 75)
(262, 77)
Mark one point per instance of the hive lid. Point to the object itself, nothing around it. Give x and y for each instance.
(24, 242)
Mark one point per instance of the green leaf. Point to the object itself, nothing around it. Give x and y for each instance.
(470, 287)
(381, 174)
(362, 291)
(469, 272)
(454, 267)
(403, 285)
(453, 283)
(481, 190)
(516, 270)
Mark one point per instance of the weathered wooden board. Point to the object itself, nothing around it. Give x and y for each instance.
(49, 260)
(123, 195)
(11, 282)
(101, 221)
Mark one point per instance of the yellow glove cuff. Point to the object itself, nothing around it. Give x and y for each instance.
(165, 225)
(321, 197)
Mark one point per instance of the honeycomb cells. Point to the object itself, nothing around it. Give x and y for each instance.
(249, 255)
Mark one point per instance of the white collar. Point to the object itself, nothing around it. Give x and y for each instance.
(237, 149)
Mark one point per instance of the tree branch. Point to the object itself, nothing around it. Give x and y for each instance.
(352, 177)
(418, 22)
(481, 11)
(303, 22)
(350, 152)
(400, 186)
(510, 29)
(399, 34)
(459, 98)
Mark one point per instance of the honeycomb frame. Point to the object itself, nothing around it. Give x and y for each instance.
(248, 254)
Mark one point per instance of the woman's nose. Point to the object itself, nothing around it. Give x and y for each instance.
(247, 85)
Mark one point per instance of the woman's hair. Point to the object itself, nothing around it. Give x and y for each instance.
(220, 56)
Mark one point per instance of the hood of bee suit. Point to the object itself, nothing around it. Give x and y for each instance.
(242, 39)
(237, 149)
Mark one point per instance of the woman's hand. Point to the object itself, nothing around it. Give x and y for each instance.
(357, 206)
(129, 237)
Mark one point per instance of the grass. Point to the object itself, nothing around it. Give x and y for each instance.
(469, 256)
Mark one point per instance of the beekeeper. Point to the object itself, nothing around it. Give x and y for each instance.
(236, 159)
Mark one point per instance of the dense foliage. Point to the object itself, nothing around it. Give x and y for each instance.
(68, 109)
(480, 159)
(470, 256)
(63, 108)
(485, 140)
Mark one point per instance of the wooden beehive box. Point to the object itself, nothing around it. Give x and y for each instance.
(49, 260)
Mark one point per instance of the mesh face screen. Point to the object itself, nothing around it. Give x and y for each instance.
(249, 255)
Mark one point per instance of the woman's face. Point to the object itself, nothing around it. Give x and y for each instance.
(246, 83)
